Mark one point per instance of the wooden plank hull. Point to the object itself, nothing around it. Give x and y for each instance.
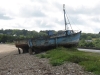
(45, 43)
(52, 42)
(23, 44)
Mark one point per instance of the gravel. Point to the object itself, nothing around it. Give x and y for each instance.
(25, 64)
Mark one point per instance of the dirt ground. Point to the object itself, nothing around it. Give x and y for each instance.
(12, 63)
(7, 49)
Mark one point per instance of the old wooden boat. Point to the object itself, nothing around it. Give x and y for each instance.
(23, 44)
(67, 38)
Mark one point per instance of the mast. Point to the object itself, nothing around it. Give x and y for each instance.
(64, 15)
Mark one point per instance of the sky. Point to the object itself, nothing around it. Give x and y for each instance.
(84, 15)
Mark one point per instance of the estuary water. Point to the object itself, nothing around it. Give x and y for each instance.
(89, 50)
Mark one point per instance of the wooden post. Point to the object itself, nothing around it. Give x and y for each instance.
(56, 42)
(30, 44)
(30, 51)
(19, 51)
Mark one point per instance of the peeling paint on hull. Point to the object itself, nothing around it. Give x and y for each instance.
(46, 43)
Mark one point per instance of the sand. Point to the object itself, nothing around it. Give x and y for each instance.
(7, 49)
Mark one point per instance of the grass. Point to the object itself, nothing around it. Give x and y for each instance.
(90, 61)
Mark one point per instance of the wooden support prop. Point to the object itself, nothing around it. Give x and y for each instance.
(19, 51)
(30, 51)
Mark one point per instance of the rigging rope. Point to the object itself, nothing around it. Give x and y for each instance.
(72, 21)
(68, 21)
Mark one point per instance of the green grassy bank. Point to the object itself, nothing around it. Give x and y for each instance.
(58, 56)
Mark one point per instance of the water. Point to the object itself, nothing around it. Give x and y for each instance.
(89, 50)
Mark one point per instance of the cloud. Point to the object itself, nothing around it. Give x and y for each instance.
(97, 30)
(74, 15)
(26, 12)
(40, 1)
(32, 11)
(4, 17)
(95, 19)
(95, 10)
(48, 14)
(44, 24)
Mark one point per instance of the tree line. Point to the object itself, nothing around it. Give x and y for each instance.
(9, 35)
(90, 40)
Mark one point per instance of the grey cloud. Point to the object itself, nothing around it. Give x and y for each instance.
(20, 26)
(41, 1)
(81, 10)
(73, 14)
(96, 10)
(3, 17)
(27, 12)
(75, 19)
(97, 30)
(17, 26)
(43, 25)
(96, 19)
(61, 22)
(86, 11)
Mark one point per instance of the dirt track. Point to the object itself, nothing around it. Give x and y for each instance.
(7, 49)
(12, 63)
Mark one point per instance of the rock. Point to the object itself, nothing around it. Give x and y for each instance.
(25, 64)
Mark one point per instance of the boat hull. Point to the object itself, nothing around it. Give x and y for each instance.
(44, 44)
(23, 44)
